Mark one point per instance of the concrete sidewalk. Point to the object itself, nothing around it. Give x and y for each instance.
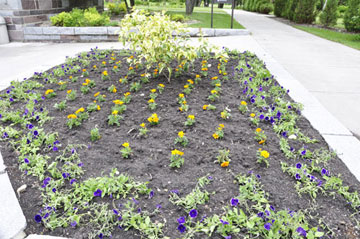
(329, 70)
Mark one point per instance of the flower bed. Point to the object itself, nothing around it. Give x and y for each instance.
(109, 148)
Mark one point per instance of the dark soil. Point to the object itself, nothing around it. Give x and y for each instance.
(150, 158)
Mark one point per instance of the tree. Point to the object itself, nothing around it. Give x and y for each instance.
(190, 4)
(328, 15)
(352, 16)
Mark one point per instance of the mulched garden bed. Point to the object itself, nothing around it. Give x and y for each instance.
(150, 158)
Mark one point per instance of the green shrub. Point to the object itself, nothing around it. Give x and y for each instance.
(328, 16)
(93, 18)
(305, 11)
(59, 19)
(352, 16)
(279, 8)
(341, 10)
(80, 18)
(266, 8)
(117, 8)
(290, 8)
(177, 18)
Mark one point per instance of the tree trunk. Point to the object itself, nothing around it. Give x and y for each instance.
(132, 3)
(198, 3)
(127, 7)
(221, 5)
(190, 4)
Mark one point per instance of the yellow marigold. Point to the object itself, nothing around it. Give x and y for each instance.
(151, 101)
(118, 102)
(186, 86)
(72, 116)
(98, 107)
(49, 91)
(142, 75)
(105, 73)
(127, 94)
(94, 66)
(161, 85)
(115, 112)
(120, 80)
(214, 78)
(61, 83)
(264, 154)
(224, 73)
(225, 61)
(153, 118)
(181, 134)
(177, 152)
(243, 103)
(96, 94)
(131, 68)
(181, 95)
(215, 136)
(153, 90)
(214, 92)
(218, 84)
(224, 164)
(197, 76)
(79, 110)
(94, 101)
(190, 81)
(262, 141)
(83, 70)
(220, 71)
(191, 117)
(258, 130)
(131, 57)
(69, 91)
(126, 144)
(70, 77)
(204, 69)
(176, 69)
(104, 62)
(156, 70)
(85, 84)
(114, 90)
(115, 67)
(252, 115)
(204, 61)
(142, 125)
(87, 80)
(180, 109)
(223, 115)
(113, 58)
(222, 126)
(205, 107)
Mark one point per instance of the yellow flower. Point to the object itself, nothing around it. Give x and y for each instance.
(115, 112)
(191, 117)
(69, 91)
(177, 152)
(61, 83)
(114, 90)
(151, 101)
(115, 67)
(218, 84)
(214, 92)
(221, 126)
(252, 115)
(94, 66)
(225, 164)
(153, 118)
(214, 78)
(104, 62)
(215, 136)
(83, 70)
(197, 76)
(223, 115)
(79, 110)
(261, 141)
(142, 125)
(94, 101)
(105, 73)
(98, 107)
(161, 85)
(190, 81)
(87, 80)
(49, 91)
(96, 94)
(153, 90)
(186, 86)
(131, 57)
(72, 116)
(243, 103)
(220, 71)
(205, 107)
(180, 109)
(126, 144)
(118, 102)
(70, 77)
(181, 95)
(120, 80)
(224, 73)
(127, 94)
(85, 84)
(181, 134)
(204, 69)
(204, 61)
(264, 154)
(258, 130)
(131, 68)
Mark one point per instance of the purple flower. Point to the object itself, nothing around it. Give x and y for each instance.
(297, 176)
(260, 214)
(38, 218)
(261, 117)
(73, 224)
(301, 231)
(181, 220)
(258, 176)
(227, 237)
(55, 148)
(151, 194)
(101, 236)
(224, 222)
(54, 190)
(272, 208)
(298, 165)
(181, 228)
(303, 152)
(115, 212)
(30, 126)
(26, 160)
(72, 181)
(193, 213)
(267, 226)
(234, 202)
(36, 133)
(97, 193)
(323, 171)
(158, 206)
(175, 191)
(135, 201)
(139, 210)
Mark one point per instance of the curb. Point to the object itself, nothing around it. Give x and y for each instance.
(109, 34)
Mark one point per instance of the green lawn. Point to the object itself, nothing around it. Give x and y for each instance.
(348, 39)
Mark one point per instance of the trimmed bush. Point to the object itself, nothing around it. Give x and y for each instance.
(352, 16)
(279, 8)
(177, 18)
(261, 6)
(305, 11)
(266, 8)
(328, 16)
(290, 8)
(341, 10)
(117, 8)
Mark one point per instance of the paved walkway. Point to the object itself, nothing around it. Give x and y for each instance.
(329, 70)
